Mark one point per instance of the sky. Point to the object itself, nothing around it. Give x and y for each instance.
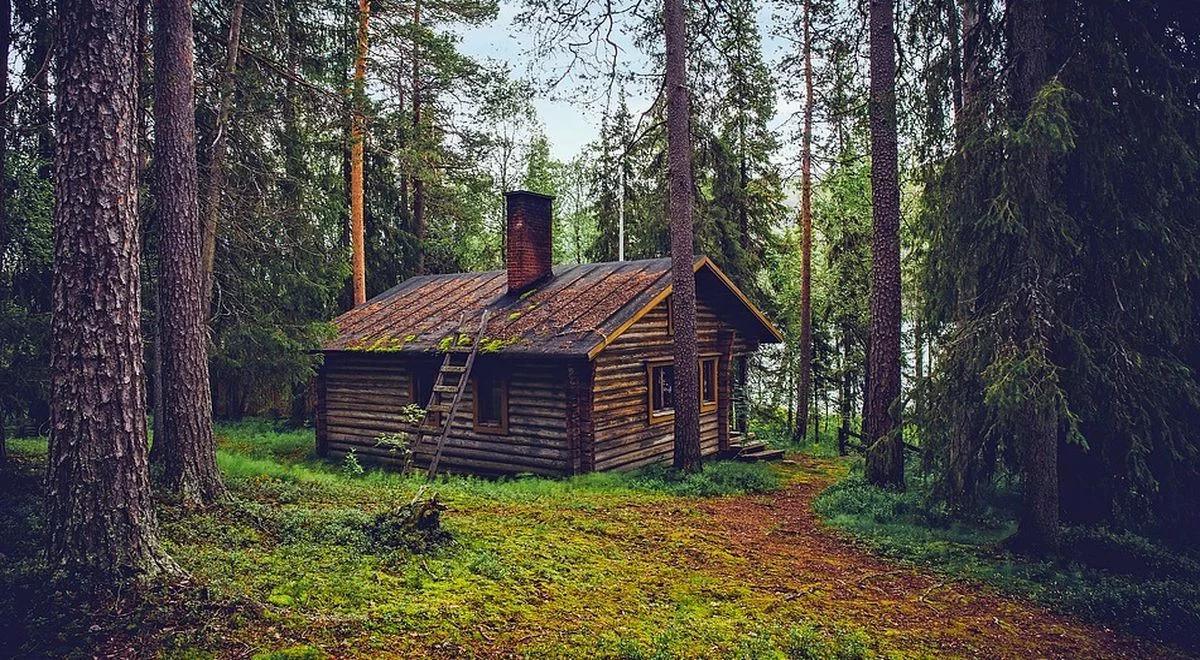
(570, 126)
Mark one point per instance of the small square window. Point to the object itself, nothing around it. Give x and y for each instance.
(708, 383)
(662, 390)
(491, 403)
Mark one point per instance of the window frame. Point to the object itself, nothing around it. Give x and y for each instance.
(713, 359)
(499, 427)
(415, 376)
(667, 414)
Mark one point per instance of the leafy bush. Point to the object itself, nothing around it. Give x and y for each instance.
(350, 465)
(719, 478)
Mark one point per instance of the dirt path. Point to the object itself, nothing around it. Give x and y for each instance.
(792, 555)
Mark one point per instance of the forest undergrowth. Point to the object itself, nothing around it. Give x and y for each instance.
(297, 563)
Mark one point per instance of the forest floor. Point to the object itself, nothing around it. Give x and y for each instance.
(634, 566)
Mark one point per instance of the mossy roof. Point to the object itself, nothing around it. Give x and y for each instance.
(576, 312)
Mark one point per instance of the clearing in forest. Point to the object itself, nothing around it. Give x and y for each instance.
(600, 565)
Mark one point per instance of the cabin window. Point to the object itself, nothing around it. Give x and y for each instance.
(708, 383)
(662, 390)
(660, 387)
(420, 388)
(491, 403)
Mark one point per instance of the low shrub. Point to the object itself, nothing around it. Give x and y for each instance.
(717, 478)
(1116, 578)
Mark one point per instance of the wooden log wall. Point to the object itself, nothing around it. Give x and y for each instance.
(362, 395)
(624, 437)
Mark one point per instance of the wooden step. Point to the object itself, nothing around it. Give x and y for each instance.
(753, 446)
(760, 455)
(445, 389)
(454, 369)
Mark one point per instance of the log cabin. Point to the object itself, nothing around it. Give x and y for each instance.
(572, 366)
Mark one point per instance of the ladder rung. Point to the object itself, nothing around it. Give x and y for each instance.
(445, 389)
(454, 369)
(438, 408)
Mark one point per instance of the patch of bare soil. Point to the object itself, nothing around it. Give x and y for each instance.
(794, 557)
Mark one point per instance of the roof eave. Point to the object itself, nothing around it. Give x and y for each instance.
(657, 298)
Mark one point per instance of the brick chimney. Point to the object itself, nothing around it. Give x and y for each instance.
(529, 246)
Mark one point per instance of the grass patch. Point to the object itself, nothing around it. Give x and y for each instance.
(1118, 579)
(598, 561)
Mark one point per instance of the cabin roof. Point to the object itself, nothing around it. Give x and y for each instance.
(576, 312)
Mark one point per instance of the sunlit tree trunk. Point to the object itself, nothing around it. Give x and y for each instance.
(881, 426)
(806, 340)
(357, 136)
(679, 177)
(210, 202)
(100, 522)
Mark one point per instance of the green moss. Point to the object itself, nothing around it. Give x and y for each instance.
(1120, 580)
(383, 344)
(603, 564)
(494, 344)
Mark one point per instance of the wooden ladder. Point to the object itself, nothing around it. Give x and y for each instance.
(448, 388)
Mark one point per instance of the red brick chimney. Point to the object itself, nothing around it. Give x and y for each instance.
(529, 246)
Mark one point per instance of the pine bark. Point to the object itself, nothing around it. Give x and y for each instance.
(806, 340)
(210, 202)
(38, 69)
(99, 513)
(885, 449)
(185, 454)
(683, 282)
(972, 59)
(844, 393)
(358, 260)
(5, 43)
(1038, 524)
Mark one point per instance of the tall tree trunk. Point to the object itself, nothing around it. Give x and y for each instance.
(38, 69)
(186, 466)
(357, 129)
(954, 27)
(99, 513)
(806, 340)
(919, 367)
(1038, 523)
(418, 145)
(844, 403)
(972, 54)
(210, 202)
(683, 282)
(885, 449)
(5, 43)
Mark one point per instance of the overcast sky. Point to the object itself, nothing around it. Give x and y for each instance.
(570, 126)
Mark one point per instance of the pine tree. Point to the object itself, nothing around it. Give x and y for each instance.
(683, 283)
(5, 41)
(210, 201)
(881, 421)
(357, 137)
(806, 228)
(184, 454)
(99, 513)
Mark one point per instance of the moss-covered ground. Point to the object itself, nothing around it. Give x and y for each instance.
(732, 563)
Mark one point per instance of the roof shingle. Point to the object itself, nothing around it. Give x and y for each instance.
(576, 310)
